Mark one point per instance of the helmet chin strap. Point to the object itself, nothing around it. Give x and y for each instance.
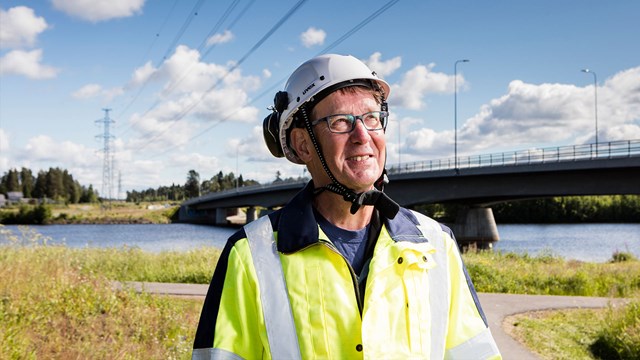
(376, 197)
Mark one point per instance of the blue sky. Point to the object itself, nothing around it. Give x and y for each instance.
(189, 82)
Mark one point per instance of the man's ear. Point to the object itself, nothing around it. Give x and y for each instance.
(300, 142)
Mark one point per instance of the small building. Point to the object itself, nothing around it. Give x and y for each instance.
(14, 197)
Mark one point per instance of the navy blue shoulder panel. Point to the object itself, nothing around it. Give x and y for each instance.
(404, 227)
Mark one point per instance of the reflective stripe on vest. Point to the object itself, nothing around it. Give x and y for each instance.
(438, 285)
(481, 346)
(214, 354)
(278, 318)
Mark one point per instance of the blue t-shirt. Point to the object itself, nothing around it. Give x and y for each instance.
(350, 243)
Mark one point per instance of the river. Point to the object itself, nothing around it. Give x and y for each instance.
(586, 242)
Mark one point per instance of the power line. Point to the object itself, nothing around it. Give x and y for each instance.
(144, 85)
(217, 26)
(352, 31)
(186, 72)
(185, 25)
(236, 65)
(360, 25)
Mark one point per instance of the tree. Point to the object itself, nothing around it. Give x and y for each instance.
(27, 181)
(192, 186)
(89, 195)
(11, 181)
(40, 188)
(55, 185)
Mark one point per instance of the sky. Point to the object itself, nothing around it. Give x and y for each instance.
(187, 83)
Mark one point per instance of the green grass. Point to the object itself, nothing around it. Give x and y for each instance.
(550, 275)
(611, 333)
(51, 307)
(58, 302)
(563, 334)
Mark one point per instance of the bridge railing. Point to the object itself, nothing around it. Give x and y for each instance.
(606, 150)
(245, 189)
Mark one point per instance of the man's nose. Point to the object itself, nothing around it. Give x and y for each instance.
(360, 132)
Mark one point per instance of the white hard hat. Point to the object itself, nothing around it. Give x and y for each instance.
(324, 72)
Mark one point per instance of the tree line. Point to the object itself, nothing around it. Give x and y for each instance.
(570, 209)
(55, 184)
(60, 186)
(553, 210)
(193, 187)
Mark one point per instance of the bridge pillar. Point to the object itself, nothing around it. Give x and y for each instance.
(251, 214)
(221, 216)
(476, 226)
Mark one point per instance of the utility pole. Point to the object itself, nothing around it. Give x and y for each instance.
(107, 138)
(119, 184)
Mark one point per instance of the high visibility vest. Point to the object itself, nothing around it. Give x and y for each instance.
(280, 324)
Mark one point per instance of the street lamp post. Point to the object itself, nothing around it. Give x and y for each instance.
(595, 102)
(455, 112)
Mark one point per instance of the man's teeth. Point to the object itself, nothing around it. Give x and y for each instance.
(359, 158)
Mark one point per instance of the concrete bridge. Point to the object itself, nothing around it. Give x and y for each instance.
(477, 181)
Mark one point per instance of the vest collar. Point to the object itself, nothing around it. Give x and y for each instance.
(297, 227)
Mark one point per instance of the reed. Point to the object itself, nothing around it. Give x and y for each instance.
(51, 307)
(551, 275)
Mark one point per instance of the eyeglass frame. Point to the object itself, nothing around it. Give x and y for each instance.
(383, 118)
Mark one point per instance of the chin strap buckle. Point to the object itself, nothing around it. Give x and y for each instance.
(383, 203)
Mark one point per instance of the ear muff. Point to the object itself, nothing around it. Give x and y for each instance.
(270, 129)
(271, 124)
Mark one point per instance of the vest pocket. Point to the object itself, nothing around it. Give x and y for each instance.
(397, 304)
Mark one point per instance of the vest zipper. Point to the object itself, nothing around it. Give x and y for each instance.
(354, 277)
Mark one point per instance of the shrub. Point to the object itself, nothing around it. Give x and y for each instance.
(38, 215)
(622, 256)
(620, 338)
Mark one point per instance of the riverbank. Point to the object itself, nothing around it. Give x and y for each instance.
(115, 212)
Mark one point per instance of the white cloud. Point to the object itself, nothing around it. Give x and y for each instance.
(20, 27)
(313, 37)
(186, 73)
(93, 90)
(26, 63)
(141, 75)
(192, 90)
(258, 162)
(418, 82)
(225, 37)
(44, 149)
(531, 114)
(87, 91)
(158, 128)
(383, 68)
(206, 166)
(99, 10)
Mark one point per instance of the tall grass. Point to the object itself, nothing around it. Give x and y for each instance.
(58, 302)
(55, 306)
(619, 338)
(550, 275)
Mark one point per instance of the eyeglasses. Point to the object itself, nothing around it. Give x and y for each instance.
(345, 123)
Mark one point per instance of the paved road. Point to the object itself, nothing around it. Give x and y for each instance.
(496, 307)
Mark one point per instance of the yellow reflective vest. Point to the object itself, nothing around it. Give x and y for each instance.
(282, 290)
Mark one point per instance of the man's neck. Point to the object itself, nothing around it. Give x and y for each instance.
(338, 211)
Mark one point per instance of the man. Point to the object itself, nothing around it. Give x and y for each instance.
(342, 271)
